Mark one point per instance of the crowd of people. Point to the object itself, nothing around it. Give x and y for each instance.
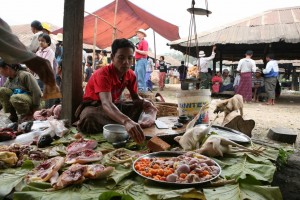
(24, 88)
(22, 91)
(249, 81)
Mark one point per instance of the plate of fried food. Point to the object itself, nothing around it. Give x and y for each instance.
(177, 168)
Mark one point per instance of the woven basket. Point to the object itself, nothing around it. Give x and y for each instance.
(166, 109)
(148, 95)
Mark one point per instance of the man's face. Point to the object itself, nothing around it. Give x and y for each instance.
(257, 74)
(123, 59)
(140, 35)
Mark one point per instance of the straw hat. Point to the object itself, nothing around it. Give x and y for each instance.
(46, 26)
(59, 37)
(142, 31)
(201, 54)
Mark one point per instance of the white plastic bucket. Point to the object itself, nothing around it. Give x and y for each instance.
(190, 102)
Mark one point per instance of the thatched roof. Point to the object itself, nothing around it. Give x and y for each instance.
(278, 27)
(23, 31)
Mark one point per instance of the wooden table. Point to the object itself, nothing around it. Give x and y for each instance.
(170, 121)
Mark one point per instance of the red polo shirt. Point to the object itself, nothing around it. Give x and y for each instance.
(143, 46)
(105, 79)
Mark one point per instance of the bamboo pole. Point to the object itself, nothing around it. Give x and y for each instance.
(115, 21)
(154, 47)
(95, 39)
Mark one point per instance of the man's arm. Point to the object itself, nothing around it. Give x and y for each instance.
(253, 66)
(268, 68)
(239, 65)
(141, 52)
(34, 89)
(133, 128)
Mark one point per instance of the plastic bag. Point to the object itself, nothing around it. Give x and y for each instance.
(58, 126)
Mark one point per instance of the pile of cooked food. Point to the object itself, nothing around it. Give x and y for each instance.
(190, 167)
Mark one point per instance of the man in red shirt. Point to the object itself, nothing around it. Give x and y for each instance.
(101, 99)
(141, 54)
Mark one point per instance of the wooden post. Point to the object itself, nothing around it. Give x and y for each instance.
(72, 77)
(95, 39)
(115, 20)
(266, 51)
(294, 78)
(215, 65)
(221, 61)
(154, 47)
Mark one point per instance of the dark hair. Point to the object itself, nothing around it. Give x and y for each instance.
(121, 43)
(37, 25)
(90, 62)
(46, 37)
(270, 55)
(249, 52)
(162, 57)
(89, 58)
(104, 52)
(15, 67)
(182, 62)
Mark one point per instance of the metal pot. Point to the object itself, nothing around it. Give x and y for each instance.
(115, 133)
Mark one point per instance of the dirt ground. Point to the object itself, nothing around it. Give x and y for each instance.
(284, 114)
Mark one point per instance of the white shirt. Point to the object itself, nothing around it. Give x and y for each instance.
(203, 62)
(34, 45)
(237, 80)
(246, 65)
(272, 64)
(83, 56)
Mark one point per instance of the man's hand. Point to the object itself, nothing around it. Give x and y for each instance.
(214, 48)
(135, 131)
(149, 114)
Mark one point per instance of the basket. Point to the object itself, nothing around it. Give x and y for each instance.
(166, 109)
(148, 95)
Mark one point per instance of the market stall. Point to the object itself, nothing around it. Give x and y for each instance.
(89, 167)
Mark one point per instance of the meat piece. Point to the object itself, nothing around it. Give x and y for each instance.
(84, 156)
(192, 178)
(73, 175)
(81, 145)
(98, 171)
(7, 134)
(54, 178)
(44, 171)
(156, 144)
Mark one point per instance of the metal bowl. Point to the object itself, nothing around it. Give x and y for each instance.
(115, 133)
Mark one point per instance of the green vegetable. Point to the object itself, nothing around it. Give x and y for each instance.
(283, 157)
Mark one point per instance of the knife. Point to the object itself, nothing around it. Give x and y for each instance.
(161, 125)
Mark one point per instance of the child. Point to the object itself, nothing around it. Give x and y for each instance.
(216, 82)
(88, 71)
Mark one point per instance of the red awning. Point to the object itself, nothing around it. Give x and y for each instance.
(129, 19)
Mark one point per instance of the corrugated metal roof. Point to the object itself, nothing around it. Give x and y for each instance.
(278, 25)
